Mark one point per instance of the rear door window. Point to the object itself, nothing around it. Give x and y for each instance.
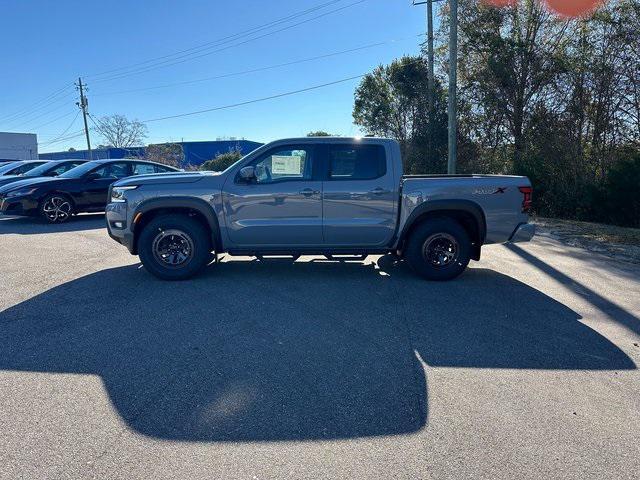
(143, 168)
(114, 170)
(356, 162)
(60, 169)
(161, 169)
(25, 168)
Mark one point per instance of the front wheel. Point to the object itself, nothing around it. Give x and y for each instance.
(439, 249)
(56, 208)
(174, 247)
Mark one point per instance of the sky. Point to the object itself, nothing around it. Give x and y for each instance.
(123, 50)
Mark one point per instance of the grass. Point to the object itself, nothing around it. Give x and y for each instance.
(616, 242)
(595, 232)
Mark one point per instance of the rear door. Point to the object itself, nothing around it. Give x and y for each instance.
(359, 196)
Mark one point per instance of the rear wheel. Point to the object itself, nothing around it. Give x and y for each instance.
(174, 247)
(439, 249)
(56, 208)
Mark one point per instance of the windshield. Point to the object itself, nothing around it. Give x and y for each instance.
(80, 170)
(9, 167)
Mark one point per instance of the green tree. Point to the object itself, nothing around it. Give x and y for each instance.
(392, 102)
(222, 161)
(554, 99)
(510, 60)
(319, 133)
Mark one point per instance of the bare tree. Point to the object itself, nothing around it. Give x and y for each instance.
(120, 132)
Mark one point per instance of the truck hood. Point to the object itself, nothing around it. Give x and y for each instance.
(163, 178)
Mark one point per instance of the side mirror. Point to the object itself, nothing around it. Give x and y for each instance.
(248, 173)
(93, 176)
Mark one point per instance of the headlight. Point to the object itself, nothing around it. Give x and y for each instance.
(21, 191)
(117, 193)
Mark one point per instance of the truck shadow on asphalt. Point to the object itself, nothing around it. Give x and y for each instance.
(37, 226)
(277, 351)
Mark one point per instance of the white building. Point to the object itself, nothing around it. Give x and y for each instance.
(18, 146)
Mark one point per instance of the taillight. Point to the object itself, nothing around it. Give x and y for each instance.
(527, 195)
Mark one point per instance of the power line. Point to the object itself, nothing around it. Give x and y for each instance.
(77, 134)
(189, 57)
(96, 123)
(253, 70)
(52, 121)
(222, 39)
(270, 97)
(44, 114)
(29, 109)
(239, 104)
(68, 128)
(30, 115)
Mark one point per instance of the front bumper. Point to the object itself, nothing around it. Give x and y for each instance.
(118, 227)
(523, 233)
(20, 206)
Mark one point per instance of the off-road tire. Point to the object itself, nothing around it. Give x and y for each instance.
(174, 247)
(438, 249)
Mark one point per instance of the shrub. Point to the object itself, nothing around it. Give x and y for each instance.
(222, 161)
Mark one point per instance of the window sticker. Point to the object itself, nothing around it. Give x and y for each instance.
(286, 165)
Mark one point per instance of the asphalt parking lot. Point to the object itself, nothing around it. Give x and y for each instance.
(525, 367)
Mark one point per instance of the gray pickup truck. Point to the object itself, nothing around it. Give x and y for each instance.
(317, 196)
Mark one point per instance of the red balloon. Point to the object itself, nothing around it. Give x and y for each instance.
(567, 8)
(574, 8)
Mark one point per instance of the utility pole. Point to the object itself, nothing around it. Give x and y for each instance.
(83, 104)
(430, 56)
(453, 85)
(453, 79)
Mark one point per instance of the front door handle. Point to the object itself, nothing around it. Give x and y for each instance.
(307, 192)
(379, 191)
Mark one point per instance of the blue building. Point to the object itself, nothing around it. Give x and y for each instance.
(195, 153)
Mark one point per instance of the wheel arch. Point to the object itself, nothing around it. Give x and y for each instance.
(192, 207)
(466, 212)
(62, 193)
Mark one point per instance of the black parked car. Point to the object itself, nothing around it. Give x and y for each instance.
(20, 166)
(52, 168)
(6, 161)
(81, 189)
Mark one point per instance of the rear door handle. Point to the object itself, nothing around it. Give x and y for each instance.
(379, 191)
(307, 192)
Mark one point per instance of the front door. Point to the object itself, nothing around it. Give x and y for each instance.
(96, 190)
(282, 206)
